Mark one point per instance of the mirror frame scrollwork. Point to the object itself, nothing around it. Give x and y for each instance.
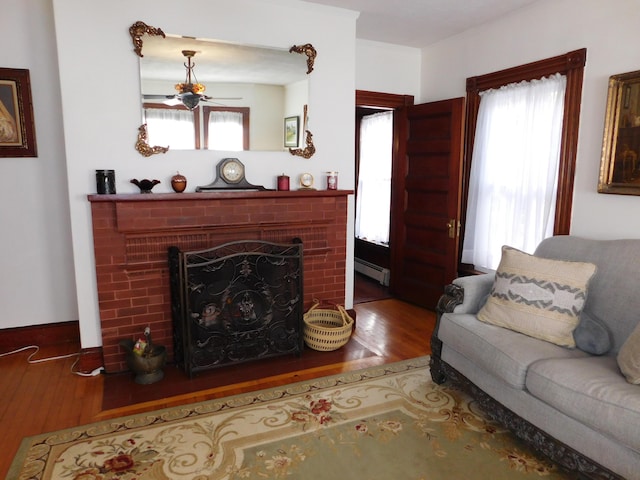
(139, 29)
(620, 163)
(142, 145)
(309, 51)
(308, 151)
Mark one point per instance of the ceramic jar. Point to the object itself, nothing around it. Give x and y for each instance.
(178, 183)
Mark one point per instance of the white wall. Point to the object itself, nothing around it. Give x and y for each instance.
(95, 55)
(544, 29)
(386, 68)
(37, 284)
(296, 97)
(266, 132)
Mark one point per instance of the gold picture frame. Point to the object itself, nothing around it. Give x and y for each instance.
(620, 163)
(17, 130)
(291, 129)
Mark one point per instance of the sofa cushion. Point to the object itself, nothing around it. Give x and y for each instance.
(539, 297)
(592, 391)
(592, 335)
(629, 357)
(504, 353)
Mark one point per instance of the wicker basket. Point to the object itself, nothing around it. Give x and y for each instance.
(326, 329)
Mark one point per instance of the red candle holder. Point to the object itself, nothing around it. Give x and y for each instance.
(283, 182)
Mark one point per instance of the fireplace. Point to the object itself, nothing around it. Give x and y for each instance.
(236, 302)
(133, 232)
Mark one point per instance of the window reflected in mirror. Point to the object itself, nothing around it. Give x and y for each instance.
(209, 128)
(226, 128)
(174, 126)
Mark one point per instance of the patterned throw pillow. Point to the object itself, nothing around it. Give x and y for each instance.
(629, 357)
(539, 297)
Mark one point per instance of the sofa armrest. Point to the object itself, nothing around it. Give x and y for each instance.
(476, 289)
(464, 295)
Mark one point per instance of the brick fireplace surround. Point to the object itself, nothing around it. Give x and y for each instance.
(132, 233)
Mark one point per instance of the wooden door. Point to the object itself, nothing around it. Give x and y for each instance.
(425, 220)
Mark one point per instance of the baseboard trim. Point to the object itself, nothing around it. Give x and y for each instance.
(52, 334)
(40, 335)
(90, 359)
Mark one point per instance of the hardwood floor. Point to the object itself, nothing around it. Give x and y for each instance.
(367, 290)
(42, 397)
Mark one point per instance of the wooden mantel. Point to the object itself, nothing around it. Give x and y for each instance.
(132, 234)
(220, 195)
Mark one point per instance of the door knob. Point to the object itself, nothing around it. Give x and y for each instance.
(454, 228)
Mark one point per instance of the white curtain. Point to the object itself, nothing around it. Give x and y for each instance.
(225, 131)
(514, 169)
(373, 201)
(172, 127)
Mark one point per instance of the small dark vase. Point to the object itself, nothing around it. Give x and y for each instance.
(148, 366)
(145, 185)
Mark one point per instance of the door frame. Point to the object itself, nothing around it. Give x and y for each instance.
(397, 103)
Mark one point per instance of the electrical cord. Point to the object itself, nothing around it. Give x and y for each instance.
(94, 373)
(30, 359)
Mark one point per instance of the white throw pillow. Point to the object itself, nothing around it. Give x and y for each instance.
(540, 297)
(629, 357)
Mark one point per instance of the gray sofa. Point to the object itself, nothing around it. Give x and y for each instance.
(573, 406)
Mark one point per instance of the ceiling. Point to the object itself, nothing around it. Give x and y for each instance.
(218, 61)
(419, 23)
(412, 23)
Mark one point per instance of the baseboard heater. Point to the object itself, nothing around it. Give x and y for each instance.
(373, 271)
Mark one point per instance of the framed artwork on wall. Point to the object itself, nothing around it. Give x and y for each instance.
(17, 129)
(291, 129)
(620, 163)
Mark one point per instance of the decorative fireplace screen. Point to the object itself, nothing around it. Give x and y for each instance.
(236, 302)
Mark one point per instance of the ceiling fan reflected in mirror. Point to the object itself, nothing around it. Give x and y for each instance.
(190, 92)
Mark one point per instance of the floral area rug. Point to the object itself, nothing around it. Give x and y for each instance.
(382, 423)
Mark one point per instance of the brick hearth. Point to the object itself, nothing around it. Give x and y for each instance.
(133, 232)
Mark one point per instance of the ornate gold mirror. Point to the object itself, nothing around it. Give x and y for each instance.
(620, 164)
(207, 85)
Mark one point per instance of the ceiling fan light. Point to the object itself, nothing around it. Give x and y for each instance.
(190, 93)
(196, 88)
(190, 100)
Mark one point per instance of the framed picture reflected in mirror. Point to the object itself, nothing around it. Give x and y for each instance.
(291, 131)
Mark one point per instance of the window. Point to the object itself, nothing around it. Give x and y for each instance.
(373, 199)
(570, 66)
(226, 128)
(514, 166)
(173, 126)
